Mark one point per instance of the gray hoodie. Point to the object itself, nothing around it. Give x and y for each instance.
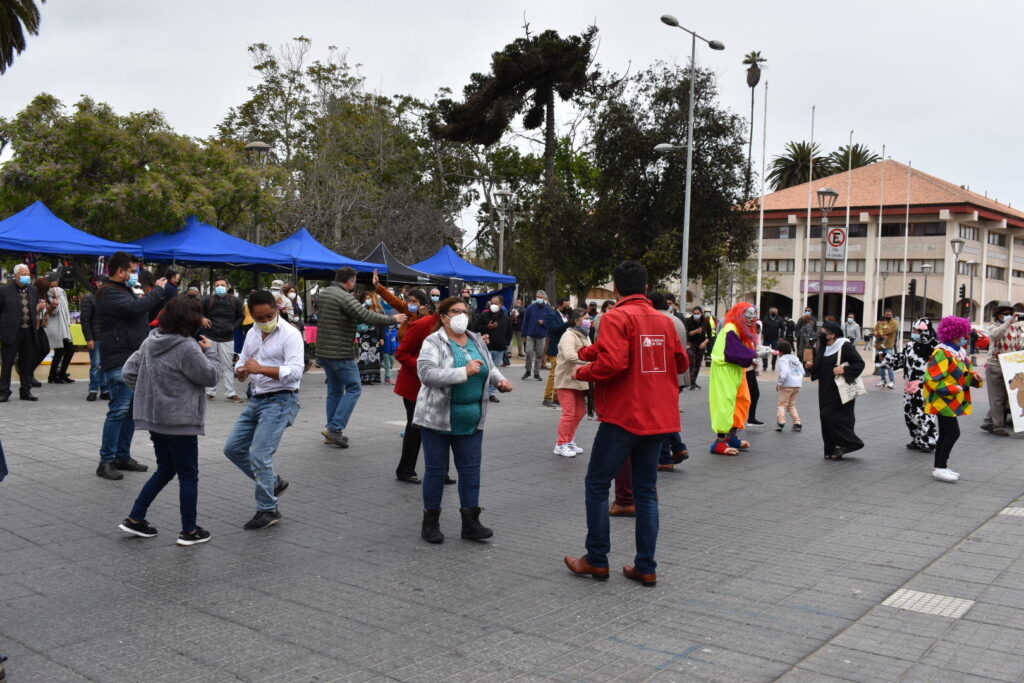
(169, 374)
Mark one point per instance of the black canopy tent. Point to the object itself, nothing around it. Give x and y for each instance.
(401, 274)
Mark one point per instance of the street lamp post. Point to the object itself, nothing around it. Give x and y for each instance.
(503, 199)
(881, 300)
(826, 201)
(926, 268)
(256, 153)
(970, 296)
(957, 245)
(670, 20)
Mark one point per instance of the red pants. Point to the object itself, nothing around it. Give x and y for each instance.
(574, 409)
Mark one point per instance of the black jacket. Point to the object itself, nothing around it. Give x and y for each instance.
(500, 336)
(703, 325)
(88, 317)
(10, 310)
(771, 330)
(121, 320)
(225, 314)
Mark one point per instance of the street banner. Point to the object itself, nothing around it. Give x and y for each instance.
(835, 243)
(1012, 364)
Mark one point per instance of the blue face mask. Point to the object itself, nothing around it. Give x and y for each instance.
(539, 301)
(435, 299)
(915, 336)
(133, 279)
(220, 290)
(962, 342)
(25, 279)
(413, 308)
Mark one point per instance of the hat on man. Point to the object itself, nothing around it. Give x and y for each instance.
(276, 284)
(1003, 307)
(541, 294)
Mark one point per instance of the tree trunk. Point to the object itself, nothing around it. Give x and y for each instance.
(549, 139)
(750, 148)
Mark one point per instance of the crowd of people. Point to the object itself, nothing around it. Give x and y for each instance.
(158, 357)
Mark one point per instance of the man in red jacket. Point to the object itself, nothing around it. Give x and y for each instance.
(634, 365)
(408, 387)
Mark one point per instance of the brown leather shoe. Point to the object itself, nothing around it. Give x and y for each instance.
(631, 573)
(617, 510)
(579, 565)
(667, 468)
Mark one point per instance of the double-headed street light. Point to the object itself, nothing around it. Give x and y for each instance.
(826, 201)
(957, 245)
(503, 203)
(670, 20)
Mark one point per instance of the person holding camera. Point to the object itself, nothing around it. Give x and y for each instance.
(169, 374)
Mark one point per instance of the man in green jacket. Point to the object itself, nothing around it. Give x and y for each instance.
(337, 351)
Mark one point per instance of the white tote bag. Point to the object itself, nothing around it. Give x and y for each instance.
(847, 391)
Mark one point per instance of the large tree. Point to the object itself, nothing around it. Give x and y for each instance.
(525, 77)
(794, 166)
(17, 19)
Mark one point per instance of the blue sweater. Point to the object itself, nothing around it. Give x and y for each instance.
(532, 315)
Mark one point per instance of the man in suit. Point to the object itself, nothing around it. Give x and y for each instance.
(18, 302)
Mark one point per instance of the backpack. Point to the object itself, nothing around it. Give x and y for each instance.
(390, 340)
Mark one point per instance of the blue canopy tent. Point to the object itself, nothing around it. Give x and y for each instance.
(446, 262)
(202, 243)
(313, 259)
(36, 229)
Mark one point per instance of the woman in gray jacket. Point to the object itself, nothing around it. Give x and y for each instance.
(455, 369)
(169, 374)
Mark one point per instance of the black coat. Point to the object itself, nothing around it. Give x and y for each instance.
(226, 314)
(88, 317)
(771, 329)
(500, 336)
(122, 321)
(10, 310)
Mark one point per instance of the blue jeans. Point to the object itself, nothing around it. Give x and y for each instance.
(119, 427)
(496, 357)
(96, 383)
(671, 445)
(343, 390)
(887, 367)
(466, 453)
(255, 438)
(175, 455)
(612, 446)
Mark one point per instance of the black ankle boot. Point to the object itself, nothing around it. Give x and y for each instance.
(471, 527)
(431, 531)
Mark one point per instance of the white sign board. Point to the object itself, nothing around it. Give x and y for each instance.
(1013, 374)
(835, 243)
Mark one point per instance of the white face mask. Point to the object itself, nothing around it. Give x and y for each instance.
(459, 323)
(291, 295)
(495, 308)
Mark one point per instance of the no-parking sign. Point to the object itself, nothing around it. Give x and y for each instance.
(835, 244)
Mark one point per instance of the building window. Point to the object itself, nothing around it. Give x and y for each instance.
(997, 238)
(782, 265)
(916, 229)
(890, 265)
(1019, 241)
(858, 230)
(969, 233)
(995, 273)
(779, 232)
(965, 268)
(938, 265)
(815, 233)
(1018, 273)
(852, 266)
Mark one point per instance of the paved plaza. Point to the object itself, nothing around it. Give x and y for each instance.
(774, 564)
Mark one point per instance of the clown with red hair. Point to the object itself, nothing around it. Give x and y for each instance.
(729, 396)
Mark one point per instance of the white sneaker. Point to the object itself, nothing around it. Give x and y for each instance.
(945, 474)
(575, 449)
(890, 385)
(564, 450)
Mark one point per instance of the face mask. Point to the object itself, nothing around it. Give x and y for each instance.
(25, 279)
(435, 299)
(367, 303)
(915, 336)
(459, 323)
(220, 290)
(133, 279)
(495, 308)
(291, 295)
(413, 308)
(807, 312)
(267, 328)
(962, 341)
(586, 325)
(696, 316)
(850, 319)
(539, 302)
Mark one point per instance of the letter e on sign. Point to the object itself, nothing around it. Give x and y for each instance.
(652, 353)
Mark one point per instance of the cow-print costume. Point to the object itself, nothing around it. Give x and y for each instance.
(913, 360)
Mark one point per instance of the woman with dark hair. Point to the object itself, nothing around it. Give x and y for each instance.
(455, 369)
(949, 377)
(415, 306)
(169, 374)
(836, 358)
(58, 333)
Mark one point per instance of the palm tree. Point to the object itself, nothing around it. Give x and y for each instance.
(753, 61)
(17, 18)
(847, 157)
(793, 167)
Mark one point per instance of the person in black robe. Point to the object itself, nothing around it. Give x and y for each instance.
(837, 418)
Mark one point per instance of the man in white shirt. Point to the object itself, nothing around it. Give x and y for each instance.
(272, 360)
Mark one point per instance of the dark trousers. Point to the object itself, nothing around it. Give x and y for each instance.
(669, 447)
(41, 350)
(410, 444)
(612, 446)
(949, 432)
(755, 393)
(696, 356)
(61, 359)
(176, 455)
(466, 453)
(22, 350)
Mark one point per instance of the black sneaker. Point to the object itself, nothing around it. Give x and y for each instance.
(779, 426)
(798, 427)
(92, 396)
(196, 536)
(526, 376)
(142, 528)
(108, 471)
(754, 421)
(104, 395)
(130, 465)
(537, 377)
(263, 519)
(494, 399)
(280, 486)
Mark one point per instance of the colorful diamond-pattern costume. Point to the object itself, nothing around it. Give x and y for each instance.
(948, 381)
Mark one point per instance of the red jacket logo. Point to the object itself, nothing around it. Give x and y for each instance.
(652, 353)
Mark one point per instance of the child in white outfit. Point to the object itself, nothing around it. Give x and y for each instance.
(791, 379)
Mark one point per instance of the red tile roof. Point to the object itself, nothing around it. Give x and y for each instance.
(867, 186)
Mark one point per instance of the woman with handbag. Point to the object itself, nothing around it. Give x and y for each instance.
(837, 360)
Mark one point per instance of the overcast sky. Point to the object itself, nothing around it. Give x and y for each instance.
(936, 81)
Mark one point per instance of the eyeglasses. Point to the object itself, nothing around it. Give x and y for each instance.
(456, 311)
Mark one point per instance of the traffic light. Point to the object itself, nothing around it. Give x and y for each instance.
(912, 288)
(963, 291)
